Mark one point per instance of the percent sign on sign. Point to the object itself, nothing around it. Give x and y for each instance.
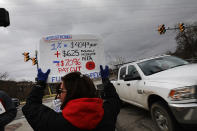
(68, 53)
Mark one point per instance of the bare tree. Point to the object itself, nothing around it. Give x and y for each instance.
(186, 42)
(3, 76)
(119, 60)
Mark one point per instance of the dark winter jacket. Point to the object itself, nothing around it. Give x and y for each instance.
(78, 114)
(10, 110)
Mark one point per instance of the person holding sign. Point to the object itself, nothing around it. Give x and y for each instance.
(81, 108)
(7, 110)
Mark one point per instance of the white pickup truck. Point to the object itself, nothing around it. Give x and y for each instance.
(165, 85)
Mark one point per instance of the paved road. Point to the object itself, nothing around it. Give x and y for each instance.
(19, 113)
(130, 118)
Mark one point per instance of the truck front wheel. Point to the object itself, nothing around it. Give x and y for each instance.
(162, 117)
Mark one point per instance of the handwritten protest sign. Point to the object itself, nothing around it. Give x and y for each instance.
(68, 53)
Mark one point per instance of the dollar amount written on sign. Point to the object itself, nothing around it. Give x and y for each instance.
(83, 45)
(70, 53)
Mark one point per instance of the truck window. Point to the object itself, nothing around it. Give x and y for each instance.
(133, 71)
(122, 73)
(156, 65)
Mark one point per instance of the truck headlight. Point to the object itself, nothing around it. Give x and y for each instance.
(183, 93)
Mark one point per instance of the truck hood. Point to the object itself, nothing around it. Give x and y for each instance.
(183, 75)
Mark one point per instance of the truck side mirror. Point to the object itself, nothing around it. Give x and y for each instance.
(4, 17)
(131, 77)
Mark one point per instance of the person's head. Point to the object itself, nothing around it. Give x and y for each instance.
(75, 85)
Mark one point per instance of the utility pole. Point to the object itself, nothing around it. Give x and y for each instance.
(36, 52)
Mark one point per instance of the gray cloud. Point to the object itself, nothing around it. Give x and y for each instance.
(127, 27)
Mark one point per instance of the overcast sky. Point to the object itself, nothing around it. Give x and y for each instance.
(127, 27)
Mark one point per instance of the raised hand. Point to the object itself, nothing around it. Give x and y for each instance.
(43, 76)
(104, 72)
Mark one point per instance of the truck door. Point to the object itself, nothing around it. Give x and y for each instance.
(132, 85)
(120, 84)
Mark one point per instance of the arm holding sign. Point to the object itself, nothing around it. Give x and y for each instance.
(112, 100)
(9, 110)
(34, 110)
(39, 116)
(38, 91)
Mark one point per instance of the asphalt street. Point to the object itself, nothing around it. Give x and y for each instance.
(19, 113)
(130, 118)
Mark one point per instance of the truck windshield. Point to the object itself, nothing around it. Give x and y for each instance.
(156, 65)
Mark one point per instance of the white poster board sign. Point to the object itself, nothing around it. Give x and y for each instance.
(68, 53)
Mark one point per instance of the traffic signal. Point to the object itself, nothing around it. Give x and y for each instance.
(26, 56)
(34, 61)
(4, 17)
(161, 29)
(181, 27)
